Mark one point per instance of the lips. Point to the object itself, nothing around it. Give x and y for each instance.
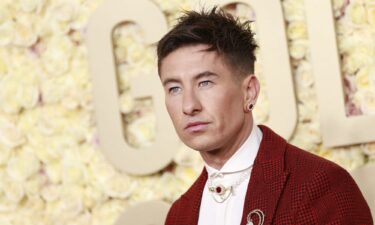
(196, 126)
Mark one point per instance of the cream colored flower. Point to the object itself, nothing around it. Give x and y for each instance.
(31, 5)
(297, 30)
(23, 165)
(64, 11)
(24, 35)
(53, 89)
(349, 158)
(13, 190)
(3, 66)
(56, 58)
(51, 193)
(362, 78)
(366, 101)
(186, 174)
(304, 76)
(357, 13)
(5, 154)
(70, 203)
(10, 135)
(119, 187)
(187, 157)
(34, 184)
(371, 15)
(53, 172)
(142, 131)
(5, 14)
(7, 32)
(93, 197)
(298, 49)
(293, 10)
(108, 212)
(126, 103)
(261, 109)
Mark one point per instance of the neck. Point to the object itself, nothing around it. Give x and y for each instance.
(218, 157)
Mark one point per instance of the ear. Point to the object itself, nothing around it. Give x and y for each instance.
(250, 87)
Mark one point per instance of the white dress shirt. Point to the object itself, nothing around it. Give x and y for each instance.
(236, 172)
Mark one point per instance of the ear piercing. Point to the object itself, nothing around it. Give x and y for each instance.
(250, 106)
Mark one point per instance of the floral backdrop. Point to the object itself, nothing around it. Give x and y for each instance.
(51, 168)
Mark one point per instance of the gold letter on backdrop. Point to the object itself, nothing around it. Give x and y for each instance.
(336, 128)
(275, 62)
(123, 156)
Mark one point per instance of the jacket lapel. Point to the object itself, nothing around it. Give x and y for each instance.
(191, 201)
(267, 179)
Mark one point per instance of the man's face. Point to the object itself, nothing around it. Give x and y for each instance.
(203, 97)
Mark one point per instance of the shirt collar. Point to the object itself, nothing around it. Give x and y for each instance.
(244, 157)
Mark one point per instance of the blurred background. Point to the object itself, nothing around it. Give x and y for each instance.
(52, 168)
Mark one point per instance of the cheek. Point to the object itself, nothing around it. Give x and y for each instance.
(173, 111)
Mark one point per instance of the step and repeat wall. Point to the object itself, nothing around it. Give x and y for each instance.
(84, 134)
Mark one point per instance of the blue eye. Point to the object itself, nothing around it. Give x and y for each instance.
(204, 83)
(174, 90)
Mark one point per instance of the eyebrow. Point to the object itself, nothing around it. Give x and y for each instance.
(196, 77)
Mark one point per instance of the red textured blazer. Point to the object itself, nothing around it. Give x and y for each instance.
(290, 186)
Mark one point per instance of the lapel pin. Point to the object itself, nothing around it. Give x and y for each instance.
(258, 213)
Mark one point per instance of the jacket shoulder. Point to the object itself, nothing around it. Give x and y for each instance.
(325, 191)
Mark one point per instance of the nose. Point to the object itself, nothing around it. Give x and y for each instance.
(191, 103)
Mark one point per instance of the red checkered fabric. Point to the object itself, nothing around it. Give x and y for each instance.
(290, 186)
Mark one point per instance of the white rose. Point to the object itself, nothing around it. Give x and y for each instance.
(81, 17)
(299, 48)
(349, 158)
(307, 112)
(23, 165)
(362, 78)
(356, 13)
(297, 30)
(304, 76)
(142, 131)
(293, 10)
(13, 191)
(7, 206)
(187, 157)
(126, 102)
(52, 89)
(7, 32)
(261, 109)
(24, 35)
(5, 154)
(359, 57)
(51, 192)
(53, 172)
(70, 203)
(73, 172)
(366, 101)
(108, 212)
(3, 65)
(371, 15)
(10, 135)
(56, 58)
(119, 187)
(93, 197)
(5, 14)
(187, 174)
(64, 11)
(31, 5)
(34, 184)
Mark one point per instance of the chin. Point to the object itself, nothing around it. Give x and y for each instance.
(201, 145)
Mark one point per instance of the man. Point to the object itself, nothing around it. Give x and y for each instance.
(251, 175)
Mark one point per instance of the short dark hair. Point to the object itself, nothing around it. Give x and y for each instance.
(219, 30)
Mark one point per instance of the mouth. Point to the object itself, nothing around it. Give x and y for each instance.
(196, 126)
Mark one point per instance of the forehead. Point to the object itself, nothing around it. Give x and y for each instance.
(191, 60)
